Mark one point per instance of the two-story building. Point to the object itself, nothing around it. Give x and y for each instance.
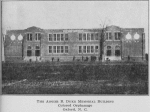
(36, 44)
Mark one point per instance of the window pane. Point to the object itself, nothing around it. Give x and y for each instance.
(54, 49)
(38, 36)
(88, 49)
(66, 49)
(50, 37)
(116, 36)
(80, 49)
(110, 36)
(117, 52)
(37, 52)
(96, 49)
(50, 49)
(108, 52)
(29, 37)
(107, 36)
(62, 49)
(84, 49)
(92, 49)
(62, 37)
(58, 49)
(29, 53)
(54, 37)
(66, 37)
(80, 36)
(84, 36)
(58, 37)
(88, 36)
(92, 36)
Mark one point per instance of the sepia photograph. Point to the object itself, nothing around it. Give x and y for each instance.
(75, 48)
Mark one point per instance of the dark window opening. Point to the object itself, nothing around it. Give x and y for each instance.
(38, 37)
(92, 36)
(80, 36)
(50, 49)
(80, 49)
(54, 37)
(29, 37)
(117, 52)
(37, 52)
(117, 36)
(62, 37)
(50, 37)
(84, 36)
(88, 36)
(66, 37)
(29, 52)
(108, 52)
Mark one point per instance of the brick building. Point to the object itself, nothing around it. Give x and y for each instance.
(36, 44)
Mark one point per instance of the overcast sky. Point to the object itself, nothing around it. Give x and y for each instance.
(74, 14)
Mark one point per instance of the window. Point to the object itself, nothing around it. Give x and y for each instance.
(108, 36)
(29, 51)
(117, 51)
(88, 36)
(37, 51)
(80, 36)
(66, 49)
(62, 49)
(37, 36)
(50, 37)
(84, 49)
(55, 38)
(92, 36)
(29, 48)
(108, 51)
(84, 37)
(29, 37)
(80, 49)
(96, 36)
(96, 49)
(58, 49)
(62, 37)
(50, 49)
(88, 49)
(58, 37)
(54, 49)
(66, 37)
(117, 35)
(92, 49)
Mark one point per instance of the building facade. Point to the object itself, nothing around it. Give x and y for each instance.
(36, 44)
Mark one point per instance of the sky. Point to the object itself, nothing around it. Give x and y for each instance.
(74, 14)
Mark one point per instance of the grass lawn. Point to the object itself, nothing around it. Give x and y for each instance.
(75, 78)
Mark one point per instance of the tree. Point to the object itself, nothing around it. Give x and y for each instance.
(104, 26)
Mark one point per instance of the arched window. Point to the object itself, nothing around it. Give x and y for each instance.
(117, 51)
(37, 51)
(108, 53)
(29, 51)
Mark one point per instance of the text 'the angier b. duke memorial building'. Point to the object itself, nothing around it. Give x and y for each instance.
(36, 44)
